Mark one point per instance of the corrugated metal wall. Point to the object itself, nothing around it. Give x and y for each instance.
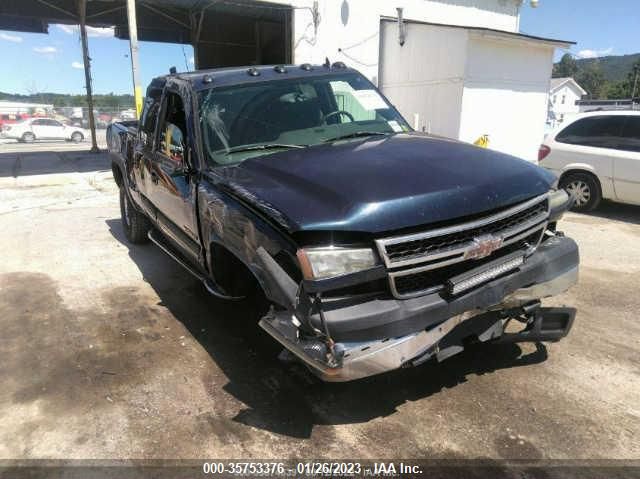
(463, 84)
(426, 75)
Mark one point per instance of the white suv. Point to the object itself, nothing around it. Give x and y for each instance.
(596, 155)
(42, 129)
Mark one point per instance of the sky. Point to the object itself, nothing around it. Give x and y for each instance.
(599, 27)
(53, 62)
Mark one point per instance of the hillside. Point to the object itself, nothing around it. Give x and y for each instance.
(58, 99)
(614, 68)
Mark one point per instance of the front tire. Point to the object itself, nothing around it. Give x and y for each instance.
(136, 226)
(28, 137)
(584, 189)
(77, 137)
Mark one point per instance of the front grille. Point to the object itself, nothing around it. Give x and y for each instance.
(426, 247)
(407, 285)
(440, 254)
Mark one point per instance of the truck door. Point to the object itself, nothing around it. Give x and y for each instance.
(142, 150)
(172, 186)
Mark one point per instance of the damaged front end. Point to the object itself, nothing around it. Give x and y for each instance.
(366, 335)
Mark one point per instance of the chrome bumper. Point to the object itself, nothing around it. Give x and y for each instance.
(362, 359)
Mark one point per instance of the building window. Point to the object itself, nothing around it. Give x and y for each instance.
(561, 117)
(555, 97)
(564, 97)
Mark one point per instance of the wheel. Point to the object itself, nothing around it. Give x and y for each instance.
(135, 224)
(77, 137)
(28, 137)
(584, 189)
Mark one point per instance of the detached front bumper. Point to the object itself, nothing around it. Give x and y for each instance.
(381, 335)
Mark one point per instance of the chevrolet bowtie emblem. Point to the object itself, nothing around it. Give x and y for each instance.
(483, 246)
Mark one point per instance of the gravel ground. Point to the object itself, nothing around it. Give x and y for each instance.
(112, 351)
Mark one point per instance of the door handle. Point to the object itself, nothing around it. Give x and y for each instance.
(154, 177)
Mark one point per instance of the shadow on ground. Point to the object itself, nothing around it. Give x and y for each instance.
(618, 212)
(285, 398)
(52, 162)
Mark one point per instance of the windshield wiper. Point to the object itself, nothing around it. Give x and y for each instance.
(266, 146)
(357, 134)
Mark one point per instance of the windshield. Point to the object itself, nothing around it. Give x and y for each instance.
(244, 121)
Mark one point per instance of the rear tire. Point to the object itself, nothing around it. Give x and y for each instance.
(77, 137)
(28, 137)
(136, 226)
(584, 189)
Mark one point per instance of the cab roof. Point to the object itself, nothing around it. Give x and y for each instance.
(215, 77)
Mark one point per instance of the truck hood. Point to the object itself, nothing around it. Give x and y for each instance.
(382, 184)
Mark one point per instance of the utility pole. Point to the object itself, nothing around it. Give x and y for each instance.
(82, 10)
(133, 47)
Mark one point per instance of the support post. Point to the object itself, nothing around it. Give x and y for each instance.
(82, 11)
(133, 47)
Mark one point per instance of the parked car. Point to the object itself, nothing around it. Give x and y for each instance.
(596, 156)
(378, 247)
(43, 129)
(7, 119)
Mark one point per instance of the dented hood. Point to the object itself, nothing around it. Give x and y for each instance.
(382, 184)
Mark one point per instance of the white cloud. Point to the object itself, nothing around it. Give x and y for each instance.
(594, 53)
(100, 32)
(77, 65)
(68, 28)
(11, 38)
(93, 32)
(45, 50)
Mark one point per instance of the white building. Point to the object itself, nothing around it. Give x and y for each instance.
(18, 108)
(563, 95)
(457, 68)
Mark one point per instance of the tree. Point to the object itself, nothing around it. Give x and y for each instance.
(592, 80)
(566, 67)
(633, 80)
(625, 88)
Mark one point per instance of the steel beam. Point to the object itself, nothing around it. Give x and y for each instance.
(133, 47)
(82, 11)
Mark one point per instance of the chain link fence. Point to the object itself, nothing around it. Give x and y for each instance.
(67, 115)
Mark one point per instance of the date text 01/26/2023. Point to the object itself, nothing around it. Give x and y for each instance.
(310, 468)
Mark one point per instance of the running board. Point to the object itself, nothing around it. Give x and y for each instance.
(209, 284)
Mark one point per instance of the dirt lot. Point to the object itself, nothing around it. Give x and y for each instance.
(112, 351)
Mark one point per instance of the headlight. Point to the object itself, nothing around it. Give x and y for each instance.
(318, 263)
(559, 202)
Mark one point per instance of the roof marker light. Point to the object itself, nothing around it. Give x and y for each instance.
(279, 69)
(254, 72)
(207, 79)
(306, 67)
(338, 65)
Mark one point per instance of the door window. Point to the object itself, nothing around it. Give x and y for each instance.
(602, 131)
(39, 122)
(150, 117)
(173, 129)
(631, 134)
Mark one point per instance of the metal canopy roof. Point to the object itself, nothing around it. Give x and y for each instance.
(173, 21)
(491, 31)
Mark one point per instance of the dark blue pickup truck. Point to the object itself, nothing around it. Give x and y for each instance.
(378, 247)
